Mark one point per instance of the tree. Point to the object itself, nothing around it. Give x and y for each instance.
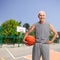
(9, 28)
(20, 23)
(26, 25)
(51, 35)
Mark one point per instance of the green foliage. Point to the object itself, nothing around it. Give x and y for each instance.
(26, 25)
(32, 33)
(0, 30)
(9, 27)
(21, 36)
(9, 30)
(51, 35)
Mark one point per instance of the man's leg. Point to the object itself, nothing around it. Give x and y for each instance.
(45, 51)
(36, 52)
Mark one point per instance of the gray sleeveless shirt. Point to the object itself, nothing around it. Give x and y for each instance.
(42, 32)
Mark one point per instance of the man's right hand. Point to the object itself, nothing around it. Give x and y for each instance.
(24, 41)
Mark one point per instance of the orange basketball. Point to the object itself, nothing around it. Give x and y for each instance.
(30, 40)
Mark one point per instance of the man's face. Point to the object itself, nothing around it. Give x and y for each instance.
(41, 16)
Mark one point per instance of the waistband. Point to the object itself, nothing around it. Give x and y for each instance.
(41, 42)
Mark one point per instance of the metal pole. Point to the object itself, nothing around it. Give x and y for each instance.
(19, 38)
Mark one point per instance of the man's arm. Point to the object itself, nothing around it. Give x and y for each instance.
(28, 32)
(55, 34)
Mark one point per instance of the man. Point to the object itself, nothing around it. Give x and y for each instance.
(42, 29)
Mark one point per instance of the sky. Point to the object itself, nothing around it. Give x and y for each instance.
(26, 11)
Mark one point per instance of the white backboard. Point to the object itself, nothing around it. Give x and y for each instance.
(21, 29)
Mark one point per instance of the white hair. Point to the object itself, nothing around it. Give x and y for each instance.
(42, 12)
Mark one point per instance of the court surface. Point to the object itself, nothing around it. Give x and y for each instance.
(10, 52)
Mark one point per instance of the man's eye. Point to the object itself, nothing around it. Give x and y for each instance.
(42, 15)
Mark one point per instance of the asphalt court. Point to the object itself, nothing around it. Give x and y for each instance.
(16, 53)
(10, 52)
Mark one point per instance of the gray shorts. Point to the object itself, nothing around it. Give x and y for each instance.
(39, 50)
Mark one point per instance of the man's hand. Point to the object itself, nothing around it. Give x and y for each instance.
(25, 41)
(49, 42)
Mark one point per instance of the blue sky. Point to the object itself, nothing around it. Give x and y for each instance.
(27, 11)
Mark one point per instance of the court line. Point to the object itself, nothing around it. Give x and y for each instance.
(10, 53)
(13, 55)
(19, 57)
(27, 57)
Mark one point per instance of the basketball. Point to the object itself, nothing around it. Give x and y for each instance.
(30, 40)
